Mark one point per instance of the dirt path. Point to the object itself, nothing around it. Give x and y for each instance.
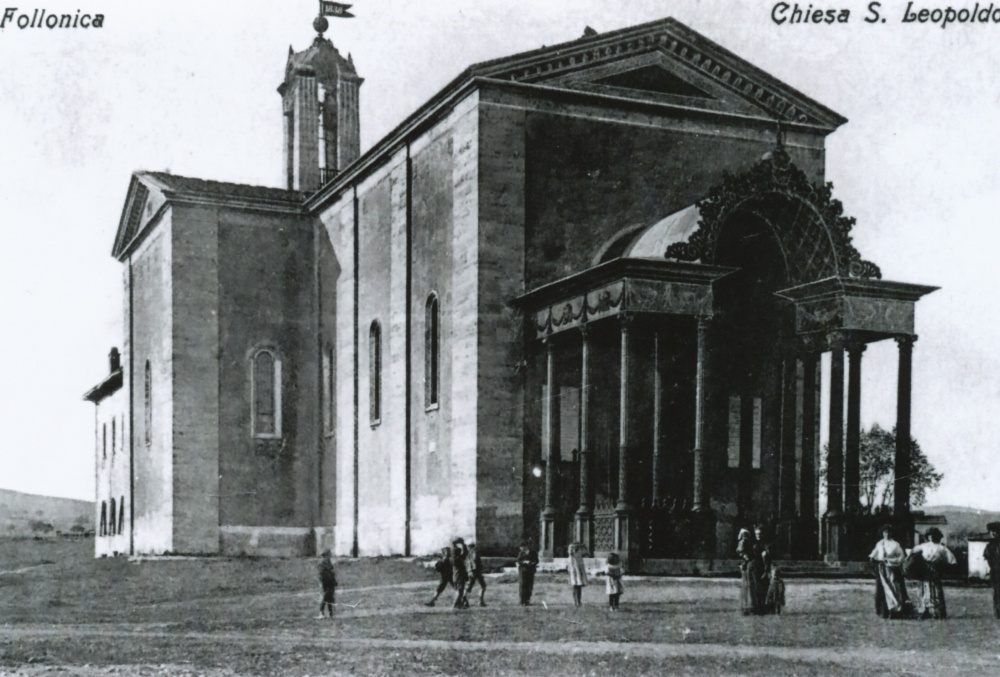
(925, 661)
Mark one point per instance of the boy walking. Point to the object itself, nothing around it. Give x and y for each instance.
(444, 569)
(475, 566)
(328, 579)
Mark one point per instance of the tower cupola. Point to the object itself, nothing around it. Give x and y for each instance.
(320, 104)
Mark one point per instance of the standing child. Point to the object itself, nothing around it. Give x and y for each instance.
(444, 570)
(460, 572)
(776, 591)
(577, 571)
(474, 564)
(527, 562)
(613, 586)
(328, 579)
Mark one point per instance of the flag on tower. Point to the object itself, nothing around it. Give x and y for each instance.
(337, 9)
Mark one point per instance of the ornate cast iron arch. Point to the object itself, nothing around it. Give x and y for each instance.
(816, 241)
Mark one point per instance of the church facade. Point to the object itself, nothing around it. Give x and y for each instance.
(580, 294)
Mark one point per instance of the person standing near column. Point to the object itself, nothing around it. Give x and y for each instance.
(527, 562)
(577, 571)
(992, 556)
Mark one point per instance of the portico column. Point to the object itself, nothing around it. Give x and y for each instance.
(624, 427)
(703, 518)
(807, 478)
(835, 457)
(834, 519)
(657, 417)
(901, 490)
(700, 480)
(789, 415)
(583, 513)
(624, 542)
(548, 452)
(852, 449)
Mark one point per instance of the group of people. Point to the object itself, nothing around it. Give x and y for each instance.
(762, 590)
(460, 567)
(926, 562)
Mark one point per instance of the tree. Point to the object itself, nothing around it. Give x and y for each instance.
(878, 471)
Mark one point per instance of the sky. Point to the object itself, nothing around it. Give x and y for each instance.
(190, 87)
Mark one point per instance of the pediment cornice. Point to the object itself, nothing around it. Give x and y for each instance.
(700, 56)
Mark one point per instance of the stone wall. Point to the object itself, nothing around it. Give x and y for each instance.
(151, 325)
(266, 299)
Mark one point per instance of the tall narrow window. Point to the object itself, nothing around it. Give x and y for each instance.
(148, 404)
(266, 394)
(375, 373)
(121, 514)
(328, 389)
(112, 529)
(102, 529)
(432, 351)
(114, 434)
(104, 440)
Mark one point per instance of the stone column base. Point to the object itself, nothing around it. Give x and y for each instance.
(835, 537)
(583, 530)
(702, 534)
(548, 535)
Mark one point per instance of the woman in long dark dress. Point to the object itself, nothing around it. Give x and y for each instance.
(755, 568)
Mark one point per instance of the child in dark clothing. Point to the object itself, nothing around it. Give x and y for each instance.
(444, 568)
(328, 579)
(776, 591)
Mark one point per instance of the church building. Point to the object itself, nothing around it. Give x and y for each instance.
(582, 293)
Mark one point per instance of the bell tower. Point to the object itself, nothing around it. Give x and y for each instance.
(320, 104)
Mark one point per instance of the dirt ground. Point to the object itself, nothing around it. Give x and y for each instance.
(64, 613)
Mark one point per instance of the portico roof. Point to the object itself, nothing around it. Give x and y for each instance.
(622, 285)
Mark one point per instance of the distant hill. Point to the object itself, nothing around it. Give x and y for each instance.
(30, 515)
(963, 522)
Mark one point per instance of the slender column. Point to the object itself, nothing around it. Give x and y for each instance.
(901, 490)
(657, 417)
(583, 513)
(624, 437)
(700, 479)
(852, 448)
(835, 457)
(808, 540)
(789, 414)
(807, 480)
(551, 426)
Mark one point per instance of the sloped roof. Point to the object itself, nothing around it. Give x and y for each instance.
(192, 187)
(150, 192)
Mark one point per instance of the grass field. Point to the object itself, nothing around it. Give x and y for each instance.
(64, 613)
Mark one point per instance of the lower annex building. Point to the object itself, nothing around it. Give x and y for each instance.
(581, 293)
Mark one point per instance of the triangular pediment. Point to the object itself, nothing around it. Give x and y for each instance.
(663, 62)
(141, 202)
(653, 79)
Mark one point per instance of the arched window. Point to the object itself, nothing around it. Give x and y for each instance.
(102, 529)
(121, 514)
(329, 394)
(112, 529)
(266, 394)
(375, 373)
(148, 404)
(432, 351)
